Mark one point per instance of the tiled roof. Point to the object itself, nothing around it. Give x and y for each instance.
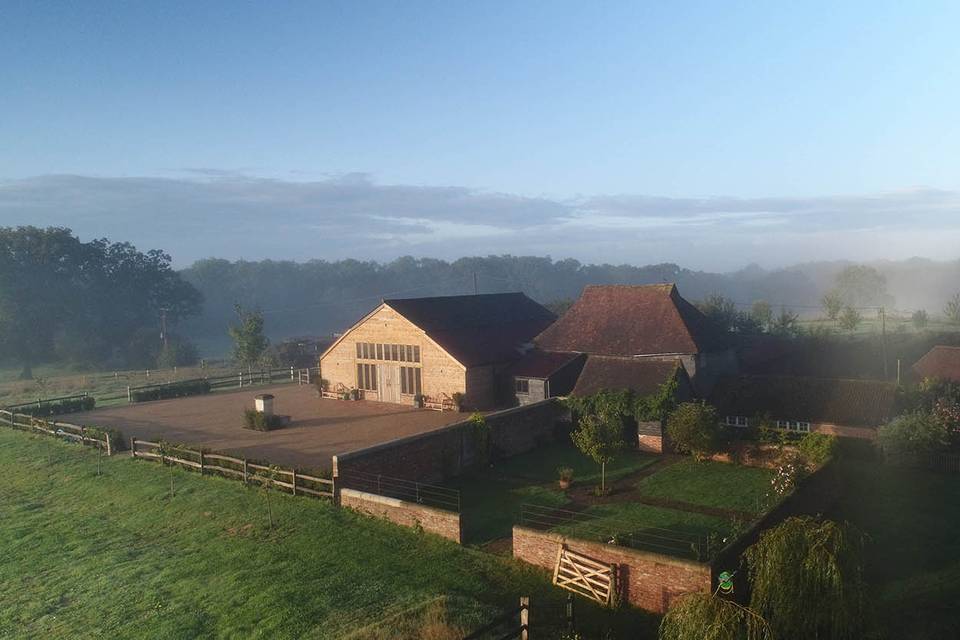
(542, 364)
(855, 403)
(479, 329)
(623, 320)
(941, 362)
(640, 375)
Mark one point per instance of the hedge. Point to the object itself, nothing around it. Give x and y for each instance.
(171, 390)
(58, 407)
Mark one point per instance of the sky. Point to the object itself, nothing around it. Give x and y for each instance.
(707, 134)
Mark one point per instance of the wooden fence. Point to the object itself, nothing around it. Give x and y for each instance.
(295, 482)
(57, 429)
(520, 631)
(238, 380)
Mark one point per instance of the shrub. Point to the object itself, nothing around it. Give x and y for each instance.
(58, 407)
(117, 440)
(171, 390)
(565, 474)
(693, 428)
(817, 448)
(913, 433)
(259, 421)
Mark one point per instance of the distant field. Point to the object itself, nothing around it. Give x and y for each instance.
(872, 325)
(86, 557)
(51, 381)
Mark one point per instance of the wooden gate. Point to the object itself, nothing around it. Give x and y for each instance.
(585, 576)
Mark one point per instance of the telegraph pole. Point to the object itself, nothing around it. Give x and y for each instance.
(163, 327)
(476, 288)
(883, 341)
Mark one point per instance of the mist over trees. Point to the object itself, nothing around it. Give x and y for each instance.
(91, 303)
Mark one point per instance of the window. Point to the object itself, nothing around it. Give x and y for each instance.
(736, 421)
(379, 351)
(394, 352)
(409, 350)
(403, 353)
(794, 425)
(410, 380)
(359, 350)
(416, 353)
(522, 385)
(367, 377)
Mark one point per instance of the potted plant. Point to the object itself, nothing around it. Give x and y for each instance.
(566, 477)
(354, 394)
(345, 395)
(418, 401)
(458, 400)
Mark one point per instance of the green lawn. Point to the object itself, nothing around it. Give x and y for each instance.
(912, 520)
(492, 498)
(83, 556)
(711, 484)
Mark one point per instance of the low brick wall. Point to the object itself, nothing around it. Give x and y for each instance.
(447, 452)
(647, 580)
(408, 514)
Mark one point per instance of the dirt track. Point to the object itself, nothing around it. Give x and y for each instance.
(319, 428)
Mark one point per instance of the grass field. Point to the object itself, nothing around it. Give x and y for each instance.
(52, 381)
(911, 519)
(493, 499)
(84, 556)
(711, 484)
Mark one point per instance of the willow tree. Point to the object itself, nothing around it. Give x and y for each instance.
(701, 616)
(806, 579)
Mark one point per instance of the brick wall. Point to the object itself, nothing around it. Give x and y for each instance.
(448, 451)
(408, 514)
(647, 580)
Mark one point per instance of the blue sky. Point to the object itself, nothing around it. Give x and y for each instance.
(709, 134)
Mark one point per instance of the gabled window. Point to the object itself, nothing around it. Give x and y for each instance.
(522, 385)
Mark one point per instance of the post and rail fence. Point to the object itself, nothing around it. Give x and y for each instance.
(430, 495)
(204, 462)
(237, 380)
(519, 629)
(57, 429)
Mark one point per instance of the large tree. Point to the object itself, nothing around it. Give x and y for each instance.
(84, 301)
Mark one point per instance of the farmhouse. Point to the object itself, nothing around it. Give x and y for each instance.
(451, 350)
(941, 362)
(850, 408)
(615, 328)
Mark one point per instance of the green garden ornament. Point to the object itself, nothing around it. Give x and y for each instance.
(726, 582)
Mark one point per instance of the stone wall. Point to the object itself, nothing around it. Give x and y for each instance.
(409, 514)
(449, 451)
(647, 580)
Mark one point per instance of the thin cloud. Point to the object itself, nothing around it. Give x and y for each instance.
(212, 212)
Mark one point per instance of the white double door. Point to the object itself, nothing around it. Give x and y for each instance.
(389, 382)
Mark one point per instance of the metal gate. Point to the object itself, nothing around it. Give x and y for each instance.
(585, 576)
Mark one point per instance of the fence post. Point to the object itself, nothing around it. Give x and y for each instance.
(291, 373)
(201, 461)
(129, 396)
(106, 441)
(293, 477)
(241, 379)
(244, 471)
(133, 447)
(524, 617)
